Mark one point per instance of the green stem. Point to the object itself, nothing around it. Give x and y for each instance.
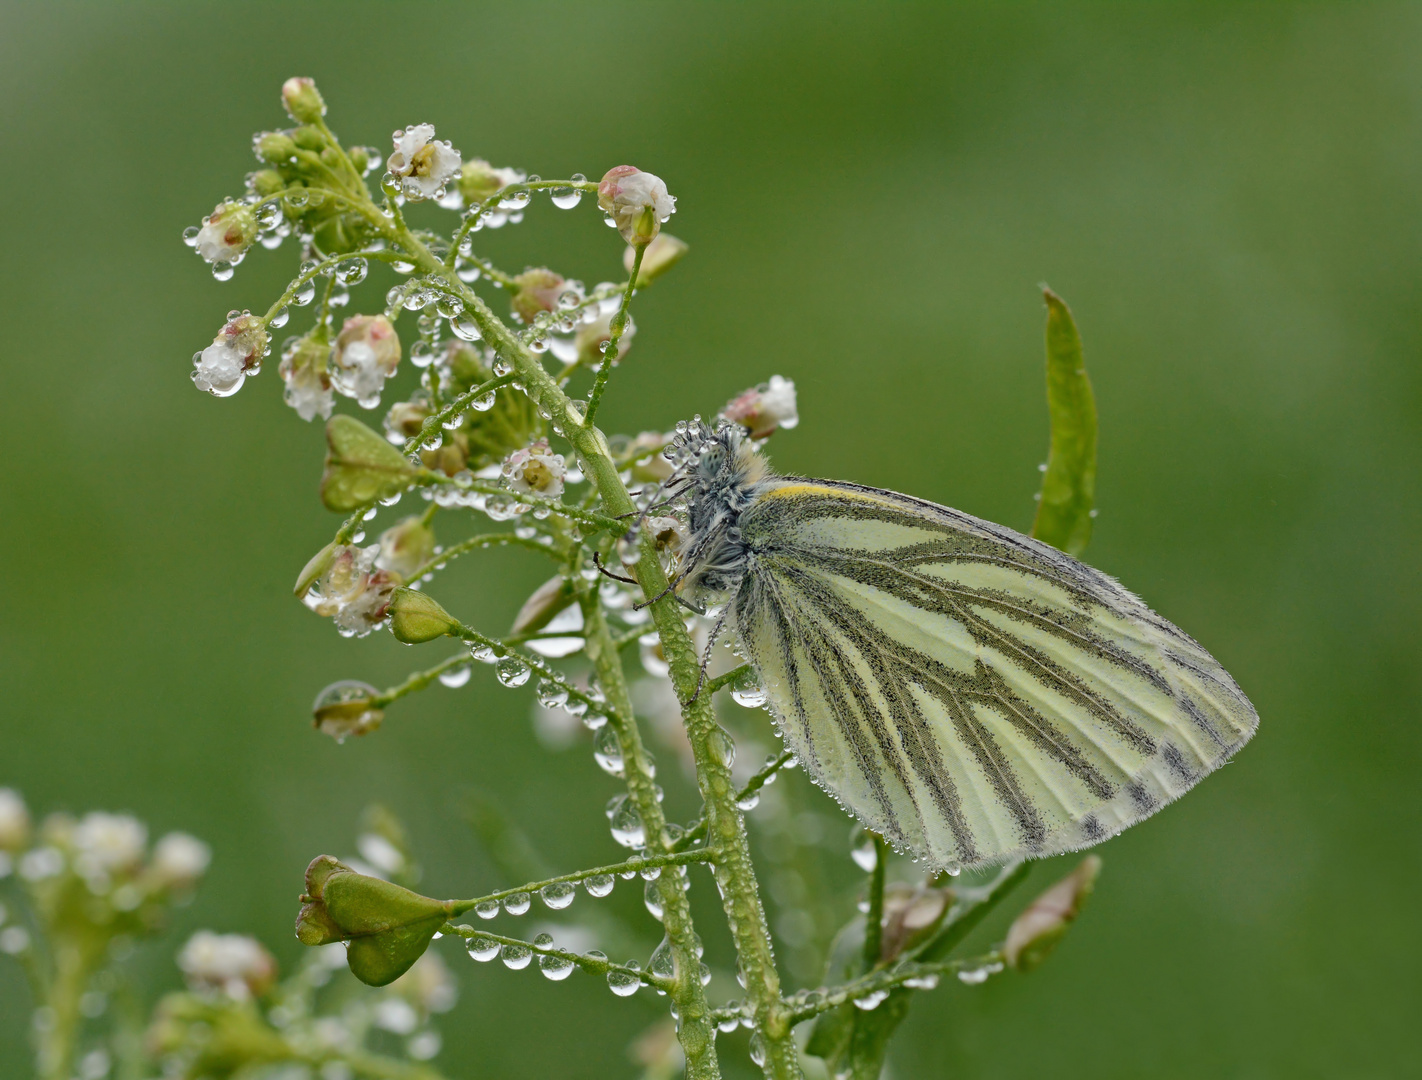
(874, 918)
(74, 963)
(639, 863)
(802, 1008)
(475, 543)
(609, 352)
(596, 965)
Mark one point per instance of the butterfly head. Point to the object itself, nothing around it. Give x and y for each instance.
(719, 461)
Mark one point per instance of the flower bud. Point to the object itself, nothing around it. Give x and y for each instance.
(360, 466)
(308, 381)
(655, 468)
(478, 180)
(421, 162)
(226, 233)
(664, 252)
(236, 352)
(275, 148)
(405, 419)
(179, 860)
(346, 708)
(233, 964)
(302, 100)
(309, 137)
(14, 821)
(538, 610)
(452, 458)
(405, 547)
(1035, 933)
(388, 927)
(591, 337)
(765, 408)
(536, 289)
(266, 182)
(366, 353)
(351, 591)
(416, 618)
(636, 202)
(534, 470)
(911, 915)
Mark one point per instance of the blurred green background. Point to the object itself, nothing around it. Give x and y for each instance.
(1228, 195)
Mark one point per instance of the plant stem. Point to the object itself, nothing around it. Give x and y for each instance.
(73, 964)
(640, 863)
(874, 918)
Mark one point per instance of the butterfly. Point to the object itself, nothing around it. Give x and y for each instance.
(970, 694)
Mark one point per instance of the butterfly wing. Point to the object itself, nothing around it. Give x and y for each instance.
(971, 694)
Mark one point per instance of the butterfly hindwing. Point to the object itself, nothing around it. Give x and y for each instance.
(968, 692)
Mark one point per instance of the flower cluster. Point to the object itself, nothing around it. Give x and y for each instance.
(344, 584)
(764, 409)
(231, 964)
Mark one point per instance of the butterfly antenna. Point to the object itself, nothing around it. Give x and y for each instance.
(597, 561)
(706, 653)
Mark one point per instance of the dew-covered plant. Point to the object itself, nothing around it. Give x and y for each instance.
(503, 427)
(77, 895)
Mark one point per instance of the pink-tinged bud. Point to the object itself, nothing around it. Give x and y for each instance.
(308, 381)
(347, 708)
(226, 233)
(536, 289)
(235, 353)
(534, 470)
(14, 821)
(765, 409)
(478, 180)
(654, 468)
(636, 202)
(351, 591)
(366, 353)
(664, 252)
(302, 100)
(233, 964)
(421, 163)
(405, 547)
(591, 337)
(1035, 933)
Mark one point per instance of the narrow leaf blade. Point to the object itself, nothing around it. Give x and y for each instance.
(1069, 485)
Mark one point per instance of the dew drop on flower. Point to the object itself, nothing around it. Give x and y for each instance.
(518, 903)
(483, 949)
(223, 271)
(599, 885)
(512, 672)
(516, 957)
(557, 896)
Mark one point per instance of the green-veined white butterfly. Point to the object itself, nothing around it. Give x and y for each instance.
(969, 693)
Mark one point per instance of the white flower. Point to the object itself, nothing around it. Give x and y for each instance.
(352, 592)
(765, 408)
(308, 382)
(366, 353)
(637, 202)
(14, 821)
(535, 471)
(234, 964)
(422, 163)
(664, 252)
(179, 859)
(226, 233)
(235, 353)
(108, 843)
(42, 862)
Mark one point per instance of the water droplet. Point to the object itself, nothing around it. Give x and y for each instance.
(279, 318)
(705, 975)
(555, 967)
(512, 672)
(723, 746)
(607, 752)
(861, 849)
(351, 271)
(518, 903)
(483, 949)
(550, 694)
(652, 897)
(623, 983)
(729, 1023)
(484, 654)
(980, 975)
(749, 802)
(557, 896)
(190, 235)
(757, 1049)
(566, 198)
(456, 676)
(627, 827)
(516, 957)
(747, 690)
(486, 909)
(465, 328)
(922, 982)
(599, 885)
(483, 404)
(871, 1001)
(223, 271)
(662, 963)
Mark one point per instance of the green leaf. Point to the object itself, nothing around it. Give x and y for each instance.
(1069, 486)
(388, 927)
(361, 466)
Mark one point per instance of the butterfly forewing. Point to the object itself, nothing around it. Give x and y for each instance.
(970, 693)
